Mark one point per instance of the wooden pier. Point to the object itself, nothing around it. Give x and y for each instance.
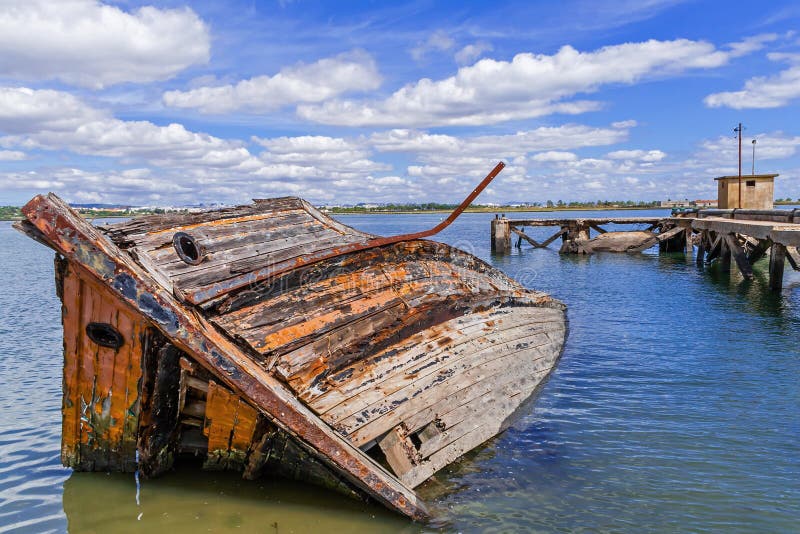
(744, 236)
(576, 234)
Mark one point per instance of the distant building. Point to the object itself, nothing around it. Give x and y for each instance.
(675, 203)
(757, 191)
(711, 203)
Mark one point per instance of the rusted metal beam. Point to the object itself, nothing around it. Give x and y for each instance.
(80, 242)
(243, 280)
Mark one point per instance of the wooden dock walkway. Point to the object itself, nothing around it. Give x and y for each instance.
(744, 236)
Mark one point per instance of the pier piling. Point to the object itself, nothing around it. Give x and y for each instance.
(777, 260)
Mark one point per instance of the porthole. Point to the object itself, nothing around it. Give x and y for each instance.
(105, 335)
(187, 248)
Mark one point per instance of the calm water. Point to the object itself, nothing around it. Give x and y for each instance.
(676, 407)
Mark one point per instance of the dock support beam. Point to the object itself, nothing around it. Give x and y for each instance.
(678, 242)
(739, 255)
(702, 243)
(777, 259)
(724, 255)
(501, 235)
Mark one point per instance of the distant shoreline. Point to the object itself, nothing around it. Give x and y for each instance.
(489, 210)
(498, 210)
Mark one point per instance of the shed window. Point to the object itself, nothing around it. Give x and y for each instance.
(751, 183)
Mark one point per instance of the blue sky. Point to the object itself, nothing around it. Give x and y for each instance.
(173, 103)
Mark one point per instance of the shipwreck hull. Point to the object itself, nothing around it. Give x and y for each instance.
(272, 339)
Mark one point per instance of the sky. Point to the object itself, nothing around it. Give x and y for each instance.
(174, 103)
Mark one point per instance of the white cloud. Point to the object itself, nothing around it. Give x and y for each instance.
(530, 85)
(24, 110)
(471, 52)
(630, 123)
(542, 139)
(12, 155)
(315, 82)
(643, 155)
(459, 162)
(763, 91)
(554, 155)
(179, 164)
(438, 41)
(720, 156)
(57, 120)
(87, 43)
(318, 157)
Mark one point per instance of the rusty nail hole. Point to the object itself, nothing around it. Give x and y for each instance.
(105, 335)
(187, 248)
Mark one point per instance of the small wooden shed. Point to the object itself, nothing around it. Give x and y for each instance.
(757, 191)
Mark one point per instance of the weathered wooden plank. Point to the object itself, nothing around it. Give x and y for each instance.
(337, 329)
(777, 259)
(434, 383)
(553, 237)
(656, 239)
(138, 227)
(229, 424)
(498, 403)
(586, 221)
(71, 404)
(319, 294)
(598, 228)
(242, 253)
(97, 378)
(469, 392)
(391, 312)
(158, 443)
(225, 270)
(739, 256)
(127, 384)
(399, 451)
(429, 350)
(362, 428)
(716, 247)
(421, 347)
(724, 255)
(311, 376)
(224, 236)
(196, 383)
(481, 430)
(759, 250)
(793, 256)
(317, 306)
(527, 238)
(277, 453)
(282, 288)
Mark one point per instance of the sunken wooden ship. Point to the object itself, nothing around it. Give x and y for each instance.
(271, 339)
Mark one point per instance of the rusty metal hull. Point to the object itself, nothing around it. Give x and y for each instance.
(271, 339)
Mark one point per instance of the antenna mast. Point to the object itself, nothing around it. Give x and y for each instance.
(738, 130)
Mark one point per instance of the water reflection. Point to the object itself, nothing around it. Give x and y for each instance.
(190, 501)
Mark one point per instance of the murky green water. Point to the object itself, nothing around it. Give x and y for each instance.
(676, 407)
